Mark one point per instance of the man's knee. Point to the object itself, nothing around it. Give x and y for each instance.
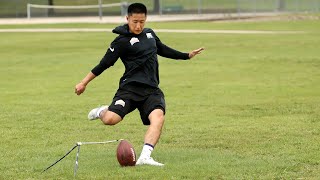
(156, 117)
(110, 118)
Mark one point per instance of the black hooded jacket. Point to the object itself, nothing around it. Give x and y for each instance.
(139, 56)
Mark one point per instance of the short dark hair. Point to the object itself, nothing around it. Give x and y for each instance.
(137, 8)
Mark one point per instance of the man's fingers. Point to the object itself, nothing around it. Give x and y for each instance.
(199, 50)
(195, 52)
(78, 91)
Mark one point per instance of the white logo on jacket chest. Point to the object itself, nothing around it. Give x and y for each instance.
(134, 40)
(149, 35)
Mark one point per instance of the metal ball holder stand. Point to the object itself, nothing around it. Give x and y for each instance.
(78, 144)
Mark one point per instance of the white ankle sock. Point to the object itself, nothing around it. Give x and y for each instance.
(146, 150)
(100, 110)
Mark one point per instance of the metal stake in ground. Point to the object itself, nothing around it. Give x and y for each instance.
(76, 164)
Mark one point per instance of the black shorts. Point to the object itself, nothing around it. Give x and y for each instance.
(125, 102)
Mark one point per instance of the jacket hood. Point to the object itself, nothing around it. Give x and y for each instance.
(122, 30)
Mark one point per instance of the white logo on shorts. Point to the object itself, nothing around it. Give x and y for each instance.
(120, 102)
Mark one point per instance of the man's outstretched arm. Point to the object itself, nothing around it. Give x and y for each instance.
(168, 52)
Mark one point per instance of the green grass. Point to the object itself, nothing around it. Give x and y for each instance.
(311, 26)
(246, 108)
(18, 8)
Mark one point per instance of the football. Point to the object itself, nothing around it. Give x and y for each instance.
(125, 154)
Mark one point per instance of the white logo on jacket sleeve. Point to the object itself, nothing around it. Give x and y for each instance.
(134, 40)
(111, 49)
(120, 102)
(149, 35)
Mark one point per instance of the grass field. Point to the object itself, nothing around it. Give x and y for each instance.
(246, 108)
(18, 8)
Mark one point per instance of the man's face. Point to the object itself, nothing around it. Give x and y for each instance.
(136, 22)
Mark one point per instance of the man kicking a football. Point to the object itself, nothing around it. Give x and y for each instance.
(137, 47)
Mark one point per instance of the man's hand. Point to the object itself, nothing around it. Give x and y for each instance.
(195, 52)
(80, 88)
